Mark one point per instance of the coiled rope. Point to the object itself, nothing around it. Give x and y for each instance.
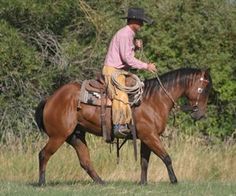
(134, 91)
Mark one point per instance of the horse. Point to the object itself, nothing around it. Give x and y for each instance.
(59, 117)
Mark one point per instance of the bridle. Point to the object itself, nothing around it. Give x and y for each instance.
(186, 108)
(200, 89)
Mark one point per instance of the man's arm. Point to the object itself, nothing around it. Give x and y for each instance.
(127, 54)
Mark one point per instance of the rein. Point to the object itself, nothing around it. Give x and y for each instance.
(176, 106)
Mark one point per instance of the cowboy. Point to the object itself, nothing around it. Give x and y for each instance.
(120, 56)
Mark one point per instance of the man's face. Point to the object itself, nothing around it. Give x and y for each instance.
(137, 24)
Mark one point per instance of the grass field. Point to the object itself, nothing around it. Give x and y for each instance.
(88, 188)
(201, 169)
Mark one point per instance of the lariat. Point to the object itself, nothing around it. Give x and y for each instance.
(136, 90)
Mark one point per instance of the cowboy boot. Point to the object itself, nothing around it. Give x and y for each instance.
(120, 130)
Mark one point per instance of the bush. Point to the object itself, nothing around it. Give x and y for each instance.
(45, 44)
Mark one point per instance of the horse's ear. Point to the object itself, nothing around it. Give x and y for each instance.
(207, 72)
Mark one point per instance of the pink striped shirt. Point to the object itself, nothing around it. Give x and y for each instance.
(121, 50)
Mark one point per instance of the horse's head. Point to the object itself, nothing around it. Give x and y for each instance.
(198, 93)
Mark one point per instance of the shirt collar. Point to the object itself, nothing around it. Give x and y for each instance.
(130, 30)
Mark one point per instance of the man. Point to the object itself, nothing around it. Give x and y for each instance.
(120, 55)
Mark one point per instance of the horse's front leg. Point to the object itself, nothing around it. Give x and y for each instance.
(155, 144)
(145, 155)
(168, 163)
(77, 140)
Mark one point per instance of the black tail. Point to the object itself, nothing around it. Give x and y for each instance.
(39, 115)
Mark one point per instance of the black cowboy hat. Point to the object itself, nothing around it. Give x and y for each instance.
(138, 14)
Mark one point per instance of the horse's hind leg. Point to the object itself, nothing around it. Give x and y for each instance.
(77, 140)
(45, 154)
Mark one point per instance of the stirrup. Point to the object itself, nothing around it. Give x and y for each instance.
(120, 131)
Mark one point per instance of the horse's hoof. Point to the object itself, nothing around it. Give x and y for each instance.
(143, 183)
(175, 181)
(101, 182)
(41, 184)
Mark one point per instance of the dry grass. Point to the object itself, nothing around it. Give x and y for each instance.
(193, 160)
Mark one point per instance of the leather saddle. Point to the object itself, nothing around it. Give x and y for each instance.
(96, 85)
(94, 92)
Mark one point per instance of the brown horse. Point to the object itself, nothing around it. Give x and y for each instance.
(60, 118)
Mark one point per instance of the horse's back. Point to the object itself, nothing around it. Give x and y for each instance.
(60, 112)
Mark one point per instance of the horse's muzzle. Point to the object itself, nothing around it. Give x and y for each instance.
(197, 115)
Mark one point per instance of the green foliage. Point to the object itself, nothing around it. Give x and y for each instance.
(199, 34)
(45, 44)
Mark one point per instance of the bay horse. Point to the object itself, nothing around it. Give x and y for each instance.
(61, 120)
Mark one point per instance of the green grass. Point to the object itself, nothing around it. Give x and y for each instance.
(201, 169)
(118, 188)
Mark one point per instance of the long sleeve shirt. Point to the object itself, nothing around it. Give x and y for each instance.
(121, 50)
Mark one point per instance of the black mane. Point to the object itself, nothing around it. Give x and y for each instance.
(169, 79)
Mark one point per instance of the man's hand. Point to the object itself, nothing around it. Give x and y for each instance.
(138, 43)
(151, 67)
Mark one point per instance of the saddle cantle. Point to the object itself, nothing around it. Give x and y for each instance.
(93, 92)
(95, 85)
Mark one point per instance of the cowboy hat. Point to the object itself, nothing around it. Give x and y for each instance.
(138, 14)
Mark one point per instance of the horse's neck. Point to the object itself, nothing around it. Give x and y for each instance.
(173, 93)
(168, 92)
(177, 92)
